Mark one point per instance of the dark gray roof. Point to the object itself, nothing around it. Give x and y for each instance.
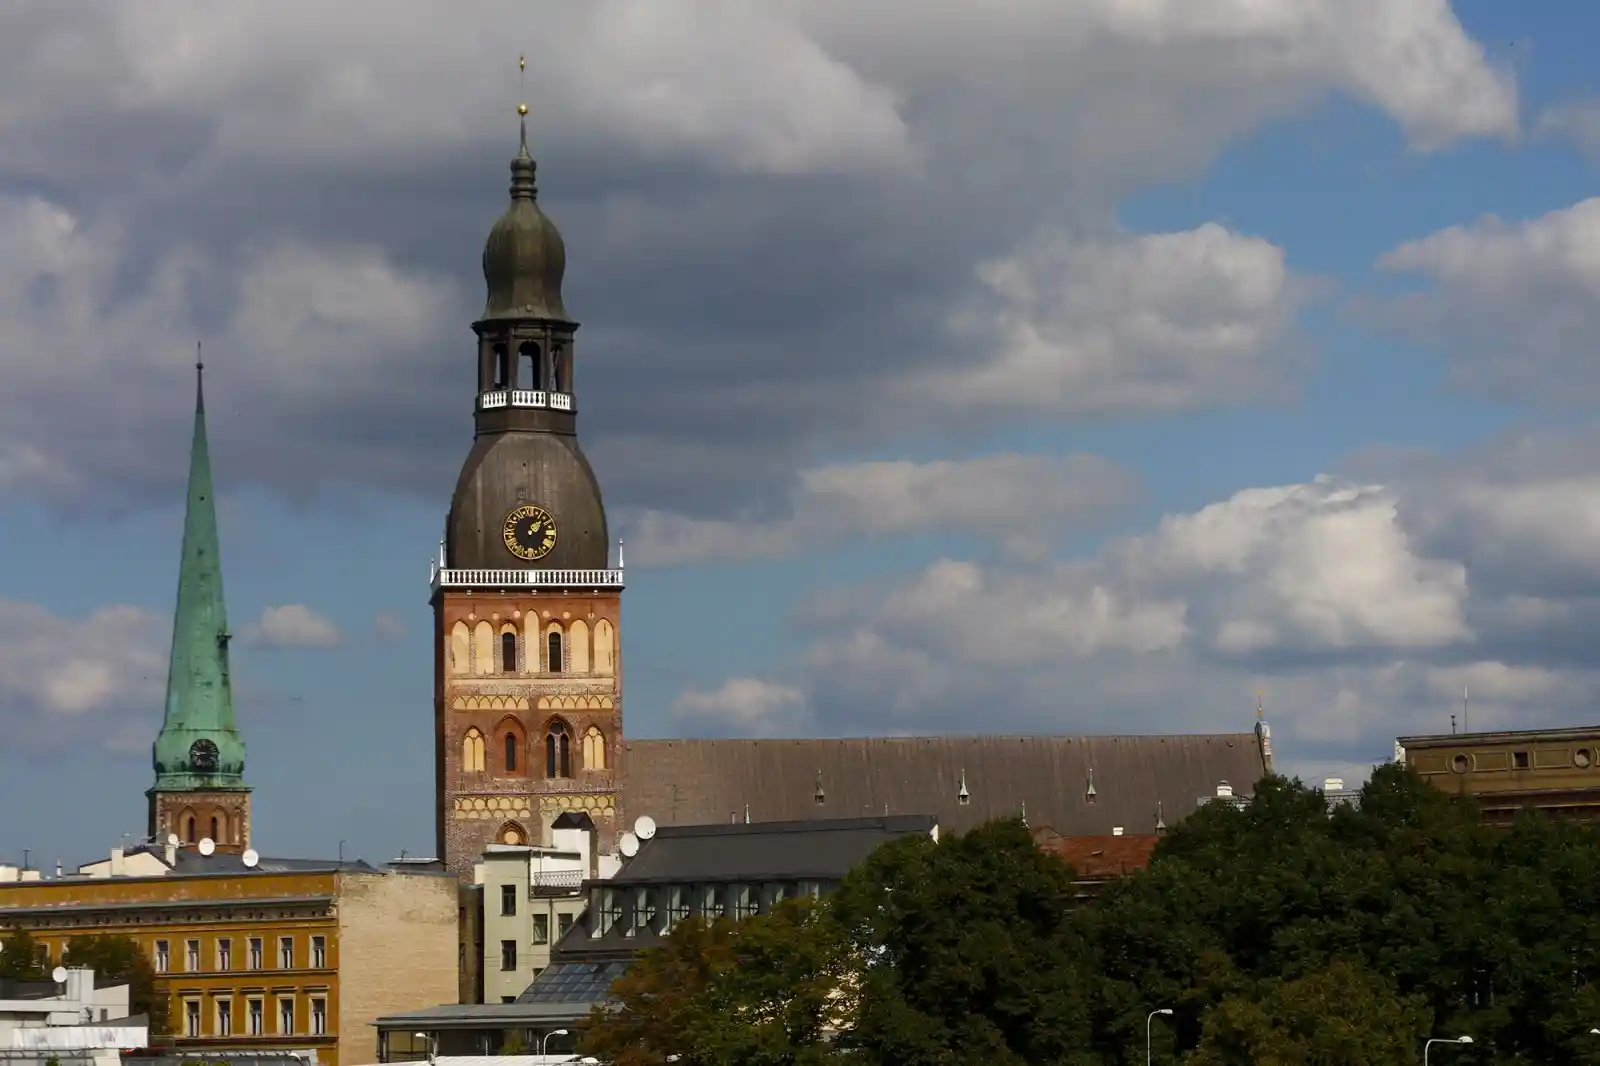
(763, 851)
(823, 850)
(687, 782)
(482, 1016)
(574, 982)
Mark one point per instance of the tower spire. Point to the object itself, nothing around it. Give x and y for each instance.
(199, 749)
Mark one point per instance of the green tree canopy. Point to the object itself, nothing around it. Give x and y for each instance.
(120, 958)
(768, 991)
(1276, 932)
(22, 957)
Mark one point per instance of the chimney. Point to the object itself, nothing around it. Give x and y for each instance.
(1224, 790)
(171, 854)
(118, 867)
(1116, 830)
(8, 873)
(1333, 784)
(29, 875)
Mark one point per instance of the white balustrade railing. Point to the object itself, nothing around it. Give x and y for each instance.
(559, 401)
(527, 578)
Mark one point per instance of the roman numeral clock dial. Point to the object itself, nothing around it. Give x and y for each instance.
(529, 533)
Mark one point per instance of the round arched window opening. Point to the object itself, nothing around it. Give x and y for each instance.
(1461, 764)
(1583, 757)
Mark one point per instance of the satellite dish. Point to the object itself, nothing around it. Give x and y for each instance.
(207, 845)
(629, 845)
(250, 857)
(59, 975)
(645, 827)
(172, 840)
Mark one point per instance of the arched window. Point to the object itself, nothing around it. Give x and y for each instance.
(511, 753)
(472, 752)
(558, 750)
(558, 378)
(502, 367)
(594, 749)
(216, 830)
(552, 642)
(512, 833)
(528, 366)
(188, 829)
(508, 653)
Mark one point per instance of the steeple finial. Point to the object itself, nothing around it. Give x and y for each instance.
(522, 167)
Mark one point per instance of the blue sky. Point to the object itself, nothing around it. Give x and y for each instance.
(1115, 369)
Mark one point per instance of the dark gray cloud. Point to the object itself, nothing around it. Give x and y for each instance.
(773, 211)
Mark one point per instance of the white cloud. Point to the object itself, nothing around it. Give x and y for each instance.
(1576, 120)
(389, 628)
(75, 679)
(1355, 610)
(1025, 502)
(293, 625)
(743, 705)
(1146, 322)
(1513, 304)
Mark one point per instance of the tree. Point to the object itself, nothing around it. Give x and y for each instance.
(22, 957)
(761, 992)
(120, 958)
(972, 953)
(1341, 1015)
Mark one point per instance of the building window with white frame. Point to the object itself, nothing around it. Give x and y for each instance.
(255, 953)
(225, 954)
(224, 1017)
(286, 1016)
(319, 1017)
(253, 1022)
(191, 1017)
(319, 952)
(563, 923)
(541, 929)
(163, 956)
(508, 954)
(677, 906)
(191, 955)
(744, 901)
(286, 953)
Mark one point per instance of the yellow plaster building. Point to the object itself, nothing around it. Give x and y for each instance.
(282, 955)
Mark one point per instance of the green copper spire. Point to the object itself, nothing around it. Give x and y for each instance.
(199, 747)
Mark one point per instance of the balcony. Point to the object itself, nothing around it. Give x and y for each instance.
(545, 881)
(524, 579)
(533, 398)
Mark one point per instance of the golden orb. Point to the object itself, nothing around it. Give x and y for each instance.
(522, 109)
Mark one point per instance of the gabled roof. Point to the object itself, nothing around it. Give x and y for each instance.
(687, 782)
(1097, 857)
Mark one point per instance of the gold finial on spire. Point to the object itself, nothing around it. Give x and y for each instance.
(522, 105)
(1261, 709)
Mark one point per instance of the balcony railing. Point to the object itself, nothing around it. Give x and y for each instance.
(489, 579)
(569, 880)
(555, 401)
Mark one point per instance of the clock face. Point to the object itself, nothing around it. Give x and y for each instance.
(203, 757)
(529, 532)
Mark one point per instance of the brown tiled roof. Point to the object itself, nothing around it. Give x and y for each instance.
(1095, 857)
(688, 782)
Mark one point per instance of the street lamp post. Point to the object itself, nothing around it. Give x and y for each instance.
(544, 1041)
(1152, 1017)
(1442, 1040)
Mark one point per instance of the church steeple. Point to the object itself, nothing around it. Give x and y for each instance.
(199, 752)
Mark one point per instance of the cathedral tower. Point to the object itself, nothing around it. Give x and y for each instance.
(199, 790)
(527, 658)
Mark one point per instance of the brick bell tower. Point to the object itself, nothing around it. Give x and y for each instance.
(527, 652)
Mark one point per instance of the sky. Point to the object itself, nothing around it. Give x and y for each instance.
(1115, 366)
